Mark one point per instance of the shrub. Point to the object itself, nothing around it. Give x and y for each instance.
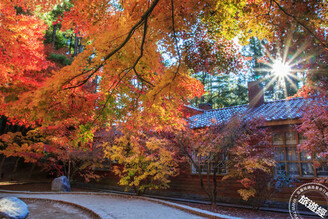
(62, 59)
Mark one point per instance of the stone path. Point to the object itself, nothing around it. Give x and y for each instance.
(112, 206)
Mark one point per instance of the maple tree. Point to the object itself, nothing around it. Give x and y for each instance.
(21, 53)
(144, 161)
(251, 158)
(204, 150)
(132, 87)
(239, 145)
(314, 129)
(25, 69)
(40, 148)
(28, 146)
(23, 66)
(252, 163)
(97, 27)
(269, 19)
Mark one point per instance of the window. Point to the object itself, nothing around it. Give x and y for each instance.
(277, 139)
(105, 165)
(322, 170)
(202, 162)
(291, 160)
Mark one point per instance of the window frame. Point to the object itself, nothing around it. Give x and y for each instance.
(107, 165)
(298, 160)
(194, 171)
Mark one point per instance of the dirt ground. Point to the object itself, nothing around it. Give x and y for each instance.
(54, 210)
(40, 209)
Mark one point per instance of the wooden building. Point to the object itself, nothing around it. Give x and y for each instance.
(280, 116)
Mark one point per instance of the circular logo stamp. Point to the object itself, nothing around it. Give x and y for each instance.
(309, 197)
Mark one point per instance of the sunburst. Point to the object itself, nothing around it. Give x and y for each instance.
(282, 69)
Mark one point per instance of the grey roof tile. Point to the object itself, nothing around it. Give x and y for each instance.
(270, 111)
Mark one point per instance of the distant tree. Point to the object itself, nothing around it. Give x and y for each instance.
(222, 90)
(53, 19)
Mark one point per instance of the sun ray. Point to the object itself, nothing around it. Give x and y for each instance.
(268, 53)
(301, 61)
(291, 83)
(298, 52)
(295, 76)
(287, 45)
(284, 68)
(274, 78)
(262, 69)
(284, 86)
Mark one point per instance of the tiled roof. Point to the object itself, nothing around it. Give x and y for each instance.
(193, 107)
(270, 111)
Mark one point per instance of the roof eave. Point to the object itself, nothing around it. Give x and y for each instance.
(294, 121)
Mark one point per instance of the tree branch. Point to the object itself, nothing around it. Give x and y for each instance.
(175, 38)
(177, 48)
(108, 56)
(300, 23)
(141, 54)
(112, 87)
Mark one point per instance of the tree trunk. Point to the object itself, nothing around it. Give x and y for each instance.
(3, 124)
(139, 192)
(16, 165)
(13, 175)
(70, 45)
(54, 35)
(213, 200)
(1, 165)
(202, 184)
(69, 170)
(74, 170)
(80, 45)
(214, 191)
(76, 45)
(64, 169)
(31, 170)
